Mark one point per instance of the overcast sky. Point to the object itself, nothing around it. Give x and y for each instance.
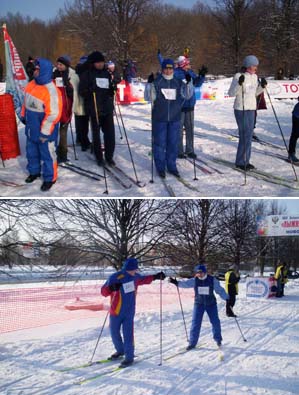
(48, 9)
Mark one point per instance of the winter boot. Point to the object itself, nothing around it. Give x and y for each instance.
(111, 162)
(47, 185)
(181, 156)
(190, 347)
(115, 356)
(161, 174)
(175, 173)
(31, 178)
(192, 155)
(293, 158)
(125, 363)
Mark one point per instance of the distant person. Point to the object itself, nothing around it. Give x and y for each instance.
(113, 72)
(204, 287)
(1, 71)
(41, 113)
(122, 288)
(294, 135)
(30, 67)
(282, 278)
(129, 71)
(232, 277)
(280, 74)
(245, 88)
(65, 79)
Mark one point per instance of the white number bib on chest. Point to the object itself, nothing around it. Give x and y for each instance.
(102, 83)
(129, 287)
(169, 94)
(59, 82)
(203, 290)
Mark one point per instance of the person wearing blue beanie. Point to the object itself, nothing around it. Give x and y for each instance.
(245, 87)
(167, 95)
(122, 288)
(204, 286)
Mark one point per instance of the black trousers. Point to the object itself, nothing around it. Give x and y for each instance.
(82, 125)
(106, 124)
(294, 136)
(230, 303)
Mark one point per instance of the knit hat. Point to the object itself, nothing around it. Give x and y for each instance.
(110, 63)
(130, 264)
(183, 61)
(95, 57)
(83, 59)
(200, 268)
(167, 63)
(64, 59)
(250, 60)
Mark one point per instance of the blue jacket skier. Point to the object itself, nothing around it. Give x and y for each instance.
(122, 288)
(204, 286)
(167, 94)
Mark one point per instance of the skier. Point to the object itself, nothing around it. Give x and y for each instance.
(122, 288)
(295, 135)
(204, 286)
(41, 113)
(65, 79)
(281, 278)
(232, 277)
(182, 67)
(81, 118)
(97, 88)
(245, 87)
(167, 94)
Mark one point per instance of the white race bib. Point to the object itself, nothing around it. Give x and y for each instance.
(59, 82)
(203, 290)
(169, 94)
(129, 287)
(102, 83)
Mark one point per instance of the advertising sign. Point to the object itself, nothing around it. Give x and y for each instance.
(277, 225)
(257, 287)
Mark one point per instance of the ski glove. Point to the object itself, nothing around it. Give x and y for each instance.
(159, 276)
(241, 79)
(173, 281)
(264, 83)
(115, 287)
(188, 78)
(150, 78)
(203, 71)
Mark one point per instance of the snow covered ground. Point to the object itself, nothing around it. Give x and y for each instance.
(266, 364)
(214, 122)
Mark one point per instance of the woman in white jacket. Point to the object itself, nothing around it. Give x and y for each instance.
(246, 87)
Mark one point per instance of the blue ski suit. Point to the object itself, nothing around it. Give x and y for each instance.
(167, 96)
(204, 300)
(122, 309)
(41, 113)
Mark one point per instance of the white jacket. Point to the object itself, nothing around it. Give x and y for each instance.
(251, 90)
(78, 103)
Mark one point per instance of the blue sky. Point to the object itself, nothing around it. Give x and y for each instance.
(48, 9)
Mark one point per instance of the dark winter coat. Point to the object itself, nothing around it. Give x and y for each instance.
(100, 82)
(231, 282)
(197, 80)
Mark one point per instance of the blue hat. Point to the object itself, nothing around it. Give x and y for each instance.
(83, 59)
(130, 264)
(250, 60)
(167, 63)
(200, 268)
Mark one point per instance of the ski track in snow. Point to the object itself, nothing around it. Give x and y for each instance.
(267, 364)
(213, 121)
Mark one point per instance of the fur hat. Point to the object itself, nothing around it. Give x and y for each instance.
(95, 57)
(250, 60)
(130, 264)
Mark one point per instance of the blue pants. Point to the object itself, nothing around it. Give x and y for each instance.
(198, 312)
(41, 157)
(123, 345)
(245, 121)
(165, 135)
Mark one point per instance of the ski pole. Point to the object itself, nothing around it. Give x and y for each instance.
(243, 132)
(152, 144)
(117, 120)
(182, 313)
(160, 363)
(245, 340)
(127, 140)
(282, 135)
(99, 337)
(98, 127)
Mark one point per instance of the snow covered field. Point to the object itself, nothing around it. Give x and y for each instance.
(266, 364)
(214, 122)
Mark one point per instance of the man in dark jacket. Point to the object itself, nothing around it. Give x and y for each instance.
(232, 277)
(97, 88)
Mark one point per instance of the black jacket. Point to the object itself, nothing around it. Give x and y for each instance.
(98, 81)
